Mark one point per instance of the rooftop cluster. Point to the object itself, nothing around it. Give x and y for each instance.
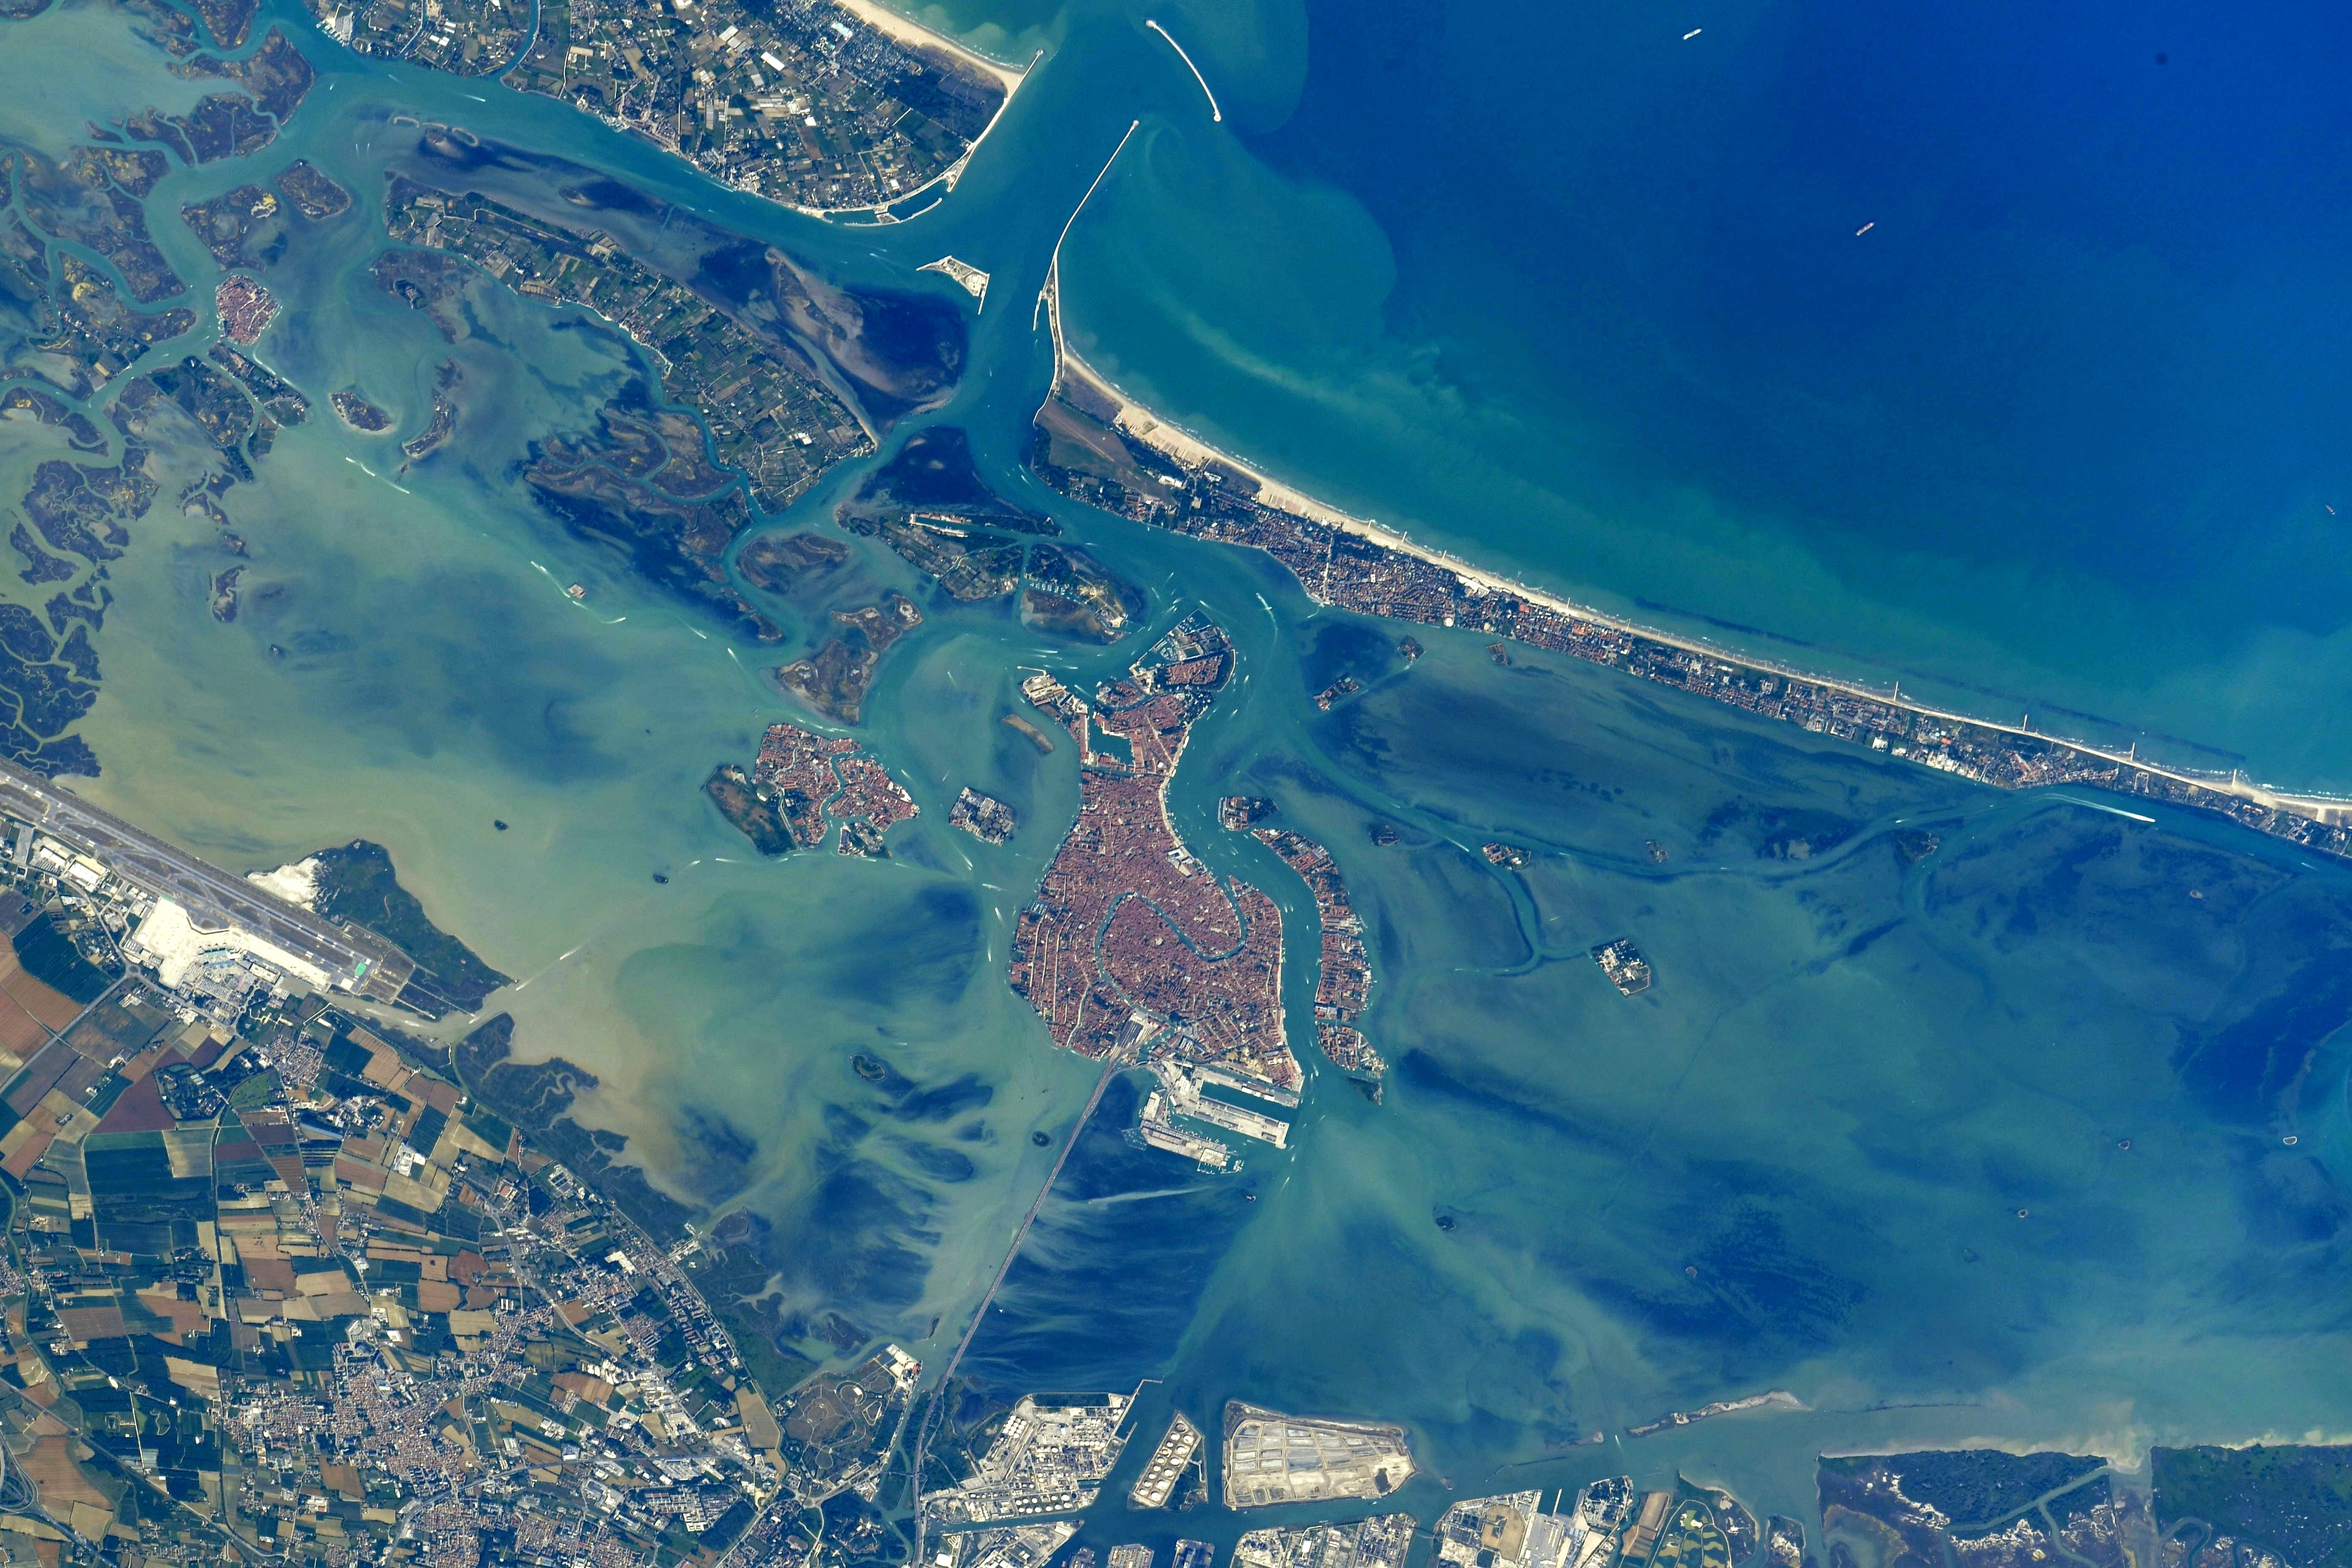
(804, 101)
(1132, 944)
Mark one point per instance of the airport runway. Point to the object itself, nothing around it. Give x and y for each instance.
(212, 897)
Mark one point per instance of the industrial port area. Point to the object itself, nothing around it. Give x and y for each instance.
(1051, 1455)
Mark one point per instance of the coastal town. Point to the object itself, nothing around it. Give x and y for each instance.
(816, 105)
(1132, 948)
(1090, 445)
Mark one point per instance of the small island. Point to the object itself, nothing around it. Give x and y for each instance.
(986, 818)
(315, 195)
(971, 279)
(800, 783)
(443, 424)
(245, 307)
(788, 563)
(359, 414)
(1623, 964)
(834, 679)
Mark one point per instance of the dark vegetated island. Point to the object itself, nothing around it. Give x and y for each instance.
(1970, 1485)
(740, 346)
(19, 399)
(2293, 1500)
(250, 227)
(316, 195)
(897, 353)
(76, 201)
(74, 329)
(49, 683)
(232, 124)
(758, 811)
(1979, 1506)
(360, 413)
(1072, 593)
(62, 318)
(883, 354)
(590, 482)
(230, 22)
(443, 424)
(281, 402)
(834, 679)
(80, 508)
(929, 504)
(242, 227)
(786, 563)
(93, 336)
(358, 886)
(212, 400)
(772, 417)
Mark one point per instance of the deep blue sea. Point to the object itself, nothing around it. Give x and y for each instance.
(1573, 291)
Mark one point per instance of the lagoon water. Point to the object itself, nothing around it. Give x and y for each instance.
(1863, 1141)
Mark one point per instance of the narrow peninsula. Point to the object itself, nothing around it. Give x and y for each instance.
(1091, 443)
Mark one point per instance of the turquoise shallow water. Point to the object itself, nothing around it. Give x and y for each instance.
(1799, 1161)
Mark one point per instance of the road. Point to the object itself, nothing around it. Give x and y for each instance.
(1112, 1067)
(212, 897)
